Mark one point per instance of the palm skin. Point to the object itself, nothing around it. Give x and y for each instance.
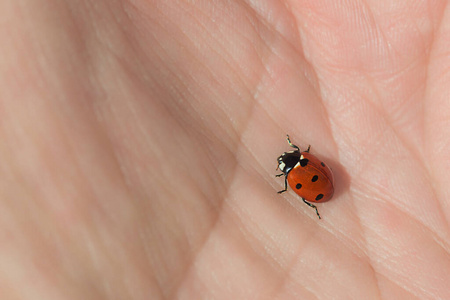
(139, 143)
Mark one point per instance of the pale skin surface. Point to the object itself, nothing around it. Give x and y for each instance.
(139, 141)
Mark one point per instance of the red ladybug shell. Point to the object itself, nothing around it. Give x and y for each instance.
(311, 179)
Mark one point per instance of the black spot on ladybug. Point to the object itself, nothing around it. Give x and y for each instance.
(320, 196)
(323, 165)
(298, 186)
(314, 179)
(304, 162)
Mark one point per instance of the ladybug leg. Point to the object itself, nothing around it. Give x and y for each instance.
(285, 183)
(292, 145)
(313, 206)
(309, 147)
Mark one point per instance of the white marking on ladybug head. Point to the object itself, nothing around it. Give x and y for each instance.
(281, 165)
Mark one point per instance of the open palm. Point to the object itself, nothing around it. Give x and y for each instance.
(139, 143)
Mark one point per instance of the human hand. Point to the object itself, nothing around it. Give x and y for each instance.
(139, 144)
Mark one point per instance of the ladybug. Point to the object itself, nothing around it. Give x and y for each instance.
(307, 175)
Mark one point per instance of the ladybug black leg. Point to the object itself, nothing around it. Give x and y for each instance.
(309, 147)
(285, 183)
(313, 206)
(292, 145)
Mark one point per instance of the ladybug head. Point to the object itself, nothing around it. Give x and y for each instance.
(288, 160)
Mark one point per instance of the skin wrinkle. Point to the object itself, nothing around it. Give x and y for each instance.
(193, 96)
(385, 39)
(114, 154)
(415, 285)
(332, 236)
(434, 177)
(375, 273)
(201, 244)
(291, 269)
(283, 284)
(212, 74)
(369, 80)
(388, 122)
(267, 25)
(397, 273)
(189, 266)
(415, 155)
(367, 153)
(268, 72)
(229, 62)
(261, 250)
(366, 252)
(229, 59)
(429, 182)
(395, 204)
(143, 238)
(288, 42)
(396, 284)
